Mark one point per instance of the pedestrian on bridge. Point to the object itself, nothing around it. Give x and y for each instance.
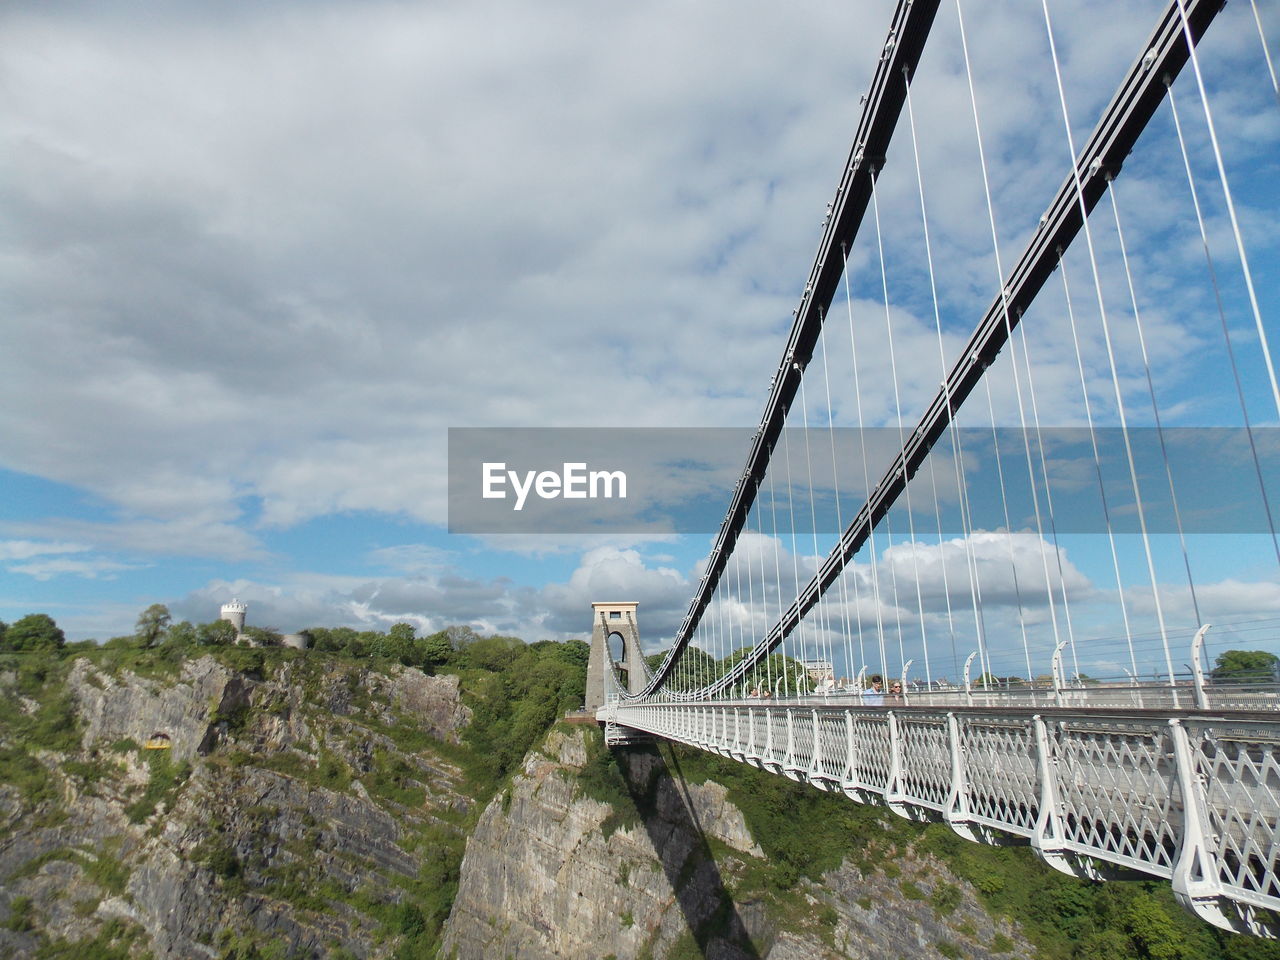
(874, 697)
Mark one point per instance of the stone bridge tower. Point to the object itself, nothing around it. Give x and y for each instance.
(609, 619)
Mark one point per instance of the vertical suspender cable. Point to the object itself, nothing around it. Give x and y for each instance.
(823, 625)
(1115, 375)
(1231, 208)
(1155, 406)
(1266, 51)
(1222, 317)
(835, 481)
(962, 486)
(1008, 528)
(902, 439)
(1048, 497)
(1097, 464)
(777, 566)
(1008, 323)
(791, 510)
(866, 471)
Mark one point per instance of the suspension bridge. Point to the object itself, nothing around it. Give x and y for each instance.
(1019, 698)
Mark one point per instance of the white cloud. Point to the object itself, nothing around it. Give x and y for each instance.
(259, 240)
(270, 255)
(1224, 600)
(199, 535)
(45, 559)
(436, 596)
(410, 558)
(91, 569)
(26, 549)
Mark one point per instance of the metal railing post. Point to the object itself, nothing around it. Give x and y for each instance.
(1196, 883)
(956, 812)
(815, 762)
(1049, 836)
(850, 783)
(893, 794)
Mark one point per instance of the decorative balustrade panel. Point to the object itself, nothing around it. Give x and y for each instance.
(1001, 780)
(1118, 783)
(1239, 764)
(924, 776)
(833, 742)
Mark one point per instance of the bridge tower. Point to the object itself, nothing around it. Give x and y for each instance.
(609, 619)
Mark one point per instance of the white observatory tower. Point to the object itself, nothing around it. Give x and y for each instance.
(234, 613)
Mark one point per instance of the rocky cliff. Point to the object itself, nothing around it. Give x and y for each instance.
(297, 811)
(671, 870)
(277, 804)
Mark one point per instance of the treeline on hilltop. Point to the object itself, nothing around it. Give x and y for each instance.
(515, 690)
(456, 647)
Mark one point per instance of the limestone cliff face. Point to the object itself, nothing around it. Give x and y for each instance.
(541, 878)
(309, 808)
(185, 712)
(550, 872)
(284, 812)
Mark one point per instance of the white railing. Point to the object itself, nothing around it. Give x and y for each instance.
(1186, 796)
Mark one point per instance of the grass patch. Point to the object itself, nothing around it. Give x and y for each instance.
(117, 940)
(102, 866)
(166, 780)
(945, 898)
(20, 769)
(92, 772)
(21, 915)
(393, 778)
(911, 891)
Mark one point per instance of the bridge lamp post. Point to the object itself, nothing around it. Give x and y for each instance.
(968, 687)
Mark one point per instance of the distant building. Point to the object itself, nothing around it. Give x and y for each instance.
(819, 670)
(233, 612)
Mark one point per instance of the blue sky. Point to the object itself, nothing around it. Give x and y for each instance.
(258, 261)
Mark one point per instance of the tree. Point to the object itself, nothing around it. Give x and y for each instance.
(35, 631)
(218, 633)
(1245, 665)
(182, 634)
(151, 623)
(433, 651)
(578, 653)
(461, 636)
(265, 636)
(396, 644)
(337, 639)
(495, 653)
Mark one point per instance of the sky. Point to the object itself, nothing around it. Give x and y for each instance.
(258, 259)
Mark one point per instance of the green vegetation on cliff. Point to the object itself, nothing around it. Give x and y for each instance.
(335, 735)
